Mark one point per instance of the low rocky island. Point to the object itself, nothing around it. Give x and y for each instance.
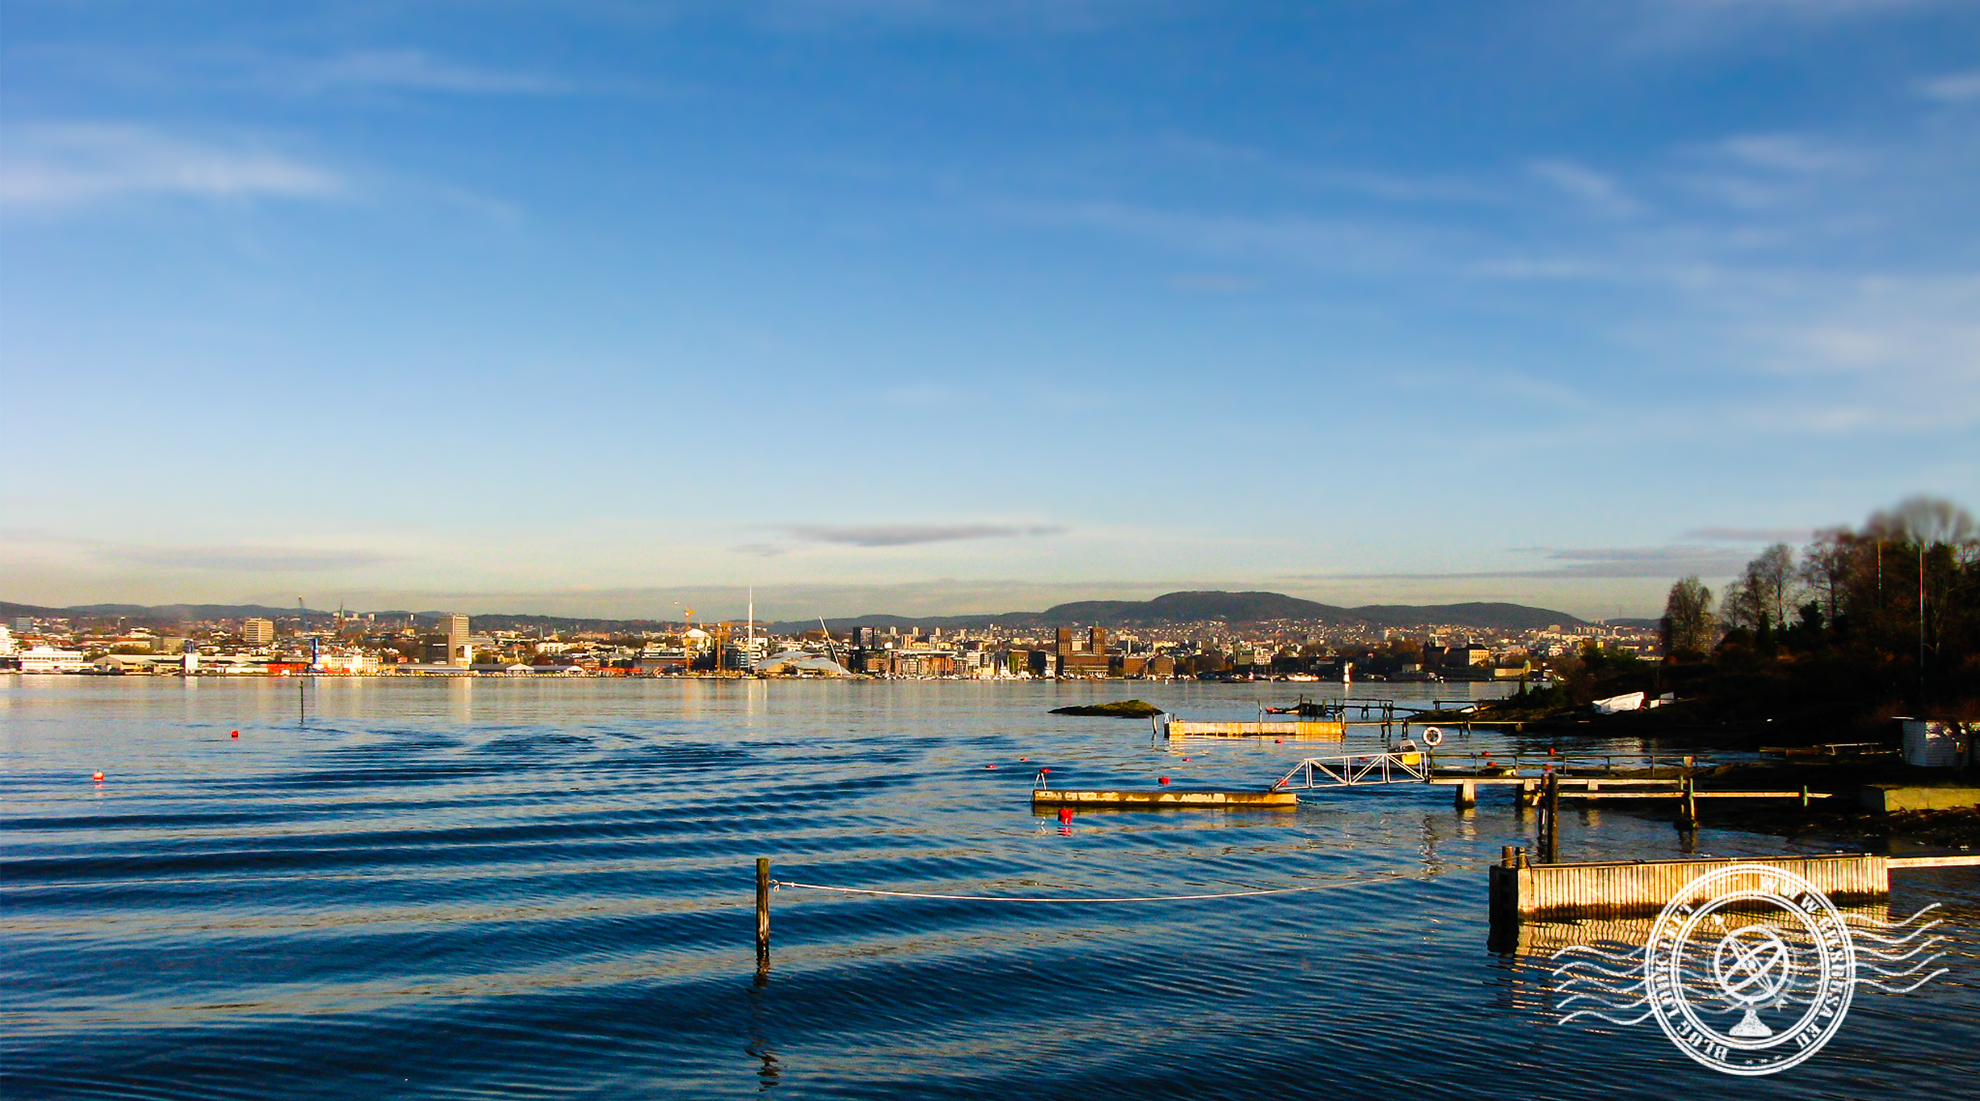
(1119, 709)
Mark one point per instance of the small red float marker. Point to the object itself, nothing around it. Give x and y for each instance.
(1185, 760)
(97, 776)
(1065, 814)
(989, 766)
(1161, 779)
(237, 733)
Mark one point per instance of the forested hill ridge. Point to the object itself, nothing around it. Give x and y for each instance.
(1261, 607)
(1171, 608)
(1232, 608)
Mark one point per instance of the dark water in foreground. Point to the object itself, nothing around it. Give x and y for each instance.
(497, 889)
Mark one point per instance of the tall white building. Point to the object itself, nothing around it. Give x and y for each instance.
(6, 642)
(257, 632)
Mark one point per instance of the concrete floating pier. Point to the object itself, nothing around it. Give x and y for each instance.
(1160, 800)
(1303, 728)
(1597, 794)
(1892, 798)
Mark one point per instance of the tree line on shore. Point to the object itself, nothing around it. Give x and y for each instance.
(1862, 623)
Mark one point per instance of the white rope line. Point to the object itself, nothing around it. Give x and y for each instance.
(1144, 898)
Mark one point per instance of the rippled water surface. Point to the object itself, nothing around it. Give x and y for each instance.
(492, 888)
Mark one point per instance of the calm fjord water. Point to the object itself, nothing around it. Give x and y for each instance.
(495, 888)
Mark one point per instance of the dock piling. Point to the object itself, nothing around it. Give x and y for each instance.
(762, 914)
(1550, 837)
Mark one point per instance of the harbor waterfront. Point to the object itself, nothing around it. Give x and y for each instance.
(490, 887)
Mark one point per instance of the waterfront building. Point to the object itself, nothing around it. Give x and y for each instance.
(47, 659)
(460, 652)
(1082, 654)
(257, 631)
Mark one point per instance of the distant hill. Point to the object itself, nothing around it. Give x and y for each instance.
(1223, 607)
(1182, 607)
(1195, 607)
(162, 613)
(1504, 617)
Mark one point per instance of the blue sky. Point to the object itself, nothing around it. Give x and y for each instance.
(925, 306)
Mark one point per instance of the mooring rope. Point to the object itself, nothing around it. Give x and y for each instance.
(1142, 898)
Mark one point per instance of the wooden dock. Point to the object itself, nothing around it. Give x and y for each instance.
(1332, 729)
(1160, 800)
(1637, 887)
(1520, 891)
(1596, 788)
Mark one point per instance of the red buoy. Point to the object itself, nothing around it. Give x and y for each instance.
(1065, 814)
(1162, 779)
(237, 733)
(1278, 741)
(989, 766)
(97, 776)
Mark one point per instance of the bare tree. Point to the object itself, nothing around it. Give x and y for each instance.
(1763, 595)
(1826, 567)
(1687, 622)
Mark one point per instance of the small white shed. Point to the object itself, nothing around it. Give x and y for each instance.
(1931, 743)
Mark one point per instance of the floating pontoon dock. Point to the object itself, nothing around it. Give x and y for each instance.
(1159, 800)
(1171, 727)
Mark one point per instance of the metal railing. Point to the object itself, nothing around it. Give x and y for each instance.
(1399, 766)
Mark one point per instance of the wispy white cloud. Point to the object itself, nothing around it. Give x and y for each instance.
(965, 15)
(259, 558)
(249, 558)
(1594, 190)
(902, 535)
(1954, 88)
(411, 70)
(1585, 563)
(66, 165)
(1213, 284)
(1749, 535)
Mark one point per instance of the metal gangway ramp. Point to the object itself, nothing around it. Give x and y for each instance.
(1404, 764)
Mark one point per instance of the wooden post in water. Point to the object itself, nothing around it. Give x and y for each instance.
(762, 913)
(1688, 805)
(1553, 818)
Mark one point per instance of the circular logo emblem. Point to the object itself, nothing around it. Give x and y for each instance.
(1749, 969)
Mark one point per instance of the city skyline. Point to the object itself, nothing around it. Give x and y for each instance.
(926, 308)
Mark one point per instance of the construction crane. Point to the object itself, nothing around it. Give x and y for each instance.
(827, 632)
(315, 644)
